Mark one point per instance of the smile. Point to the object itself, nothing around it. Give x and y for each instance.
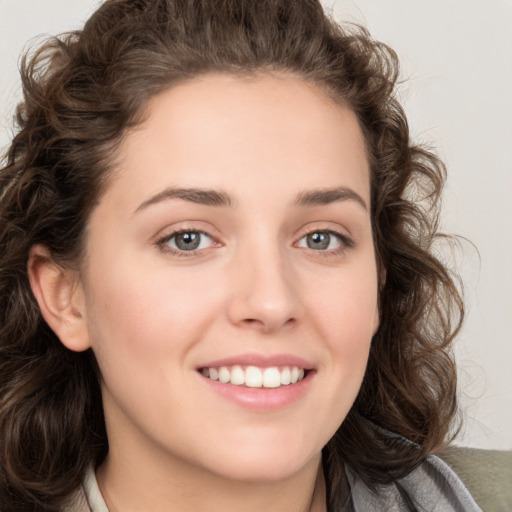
(254, 376)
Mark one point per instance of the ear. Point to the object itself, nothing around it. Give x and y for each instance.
(59, 294)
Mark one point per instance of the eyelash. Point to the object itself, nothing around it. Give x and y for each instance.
(163, 242)
(346, 242)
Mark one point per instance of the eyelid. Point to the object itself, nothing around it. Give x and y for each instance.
(346, 241)
(163, 241)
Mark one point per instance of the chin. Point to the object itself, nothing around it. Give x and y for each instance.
(256, 471)
(272, 463)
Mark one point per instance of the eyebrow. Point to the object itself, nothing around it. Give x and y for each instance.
(220, 198)
(326, 196)
(194, 195)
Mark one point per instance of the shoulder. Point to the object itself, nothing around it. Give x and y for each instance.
(431, 487)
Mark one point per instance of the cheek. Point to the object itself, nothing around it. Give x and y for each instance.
(143, 328)
(347, 309)
(346, 315)
(143, 313)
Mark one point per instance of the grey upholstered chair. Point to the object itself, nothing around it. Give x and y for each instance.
(486, 473)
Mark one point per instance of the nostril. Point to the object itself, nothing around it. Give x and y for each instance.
(267, 325)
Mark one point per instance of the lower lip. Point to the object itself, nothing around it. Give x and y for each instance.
(261, 399)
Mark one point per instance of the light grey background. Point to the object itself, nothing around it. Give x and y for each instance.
(457, 65)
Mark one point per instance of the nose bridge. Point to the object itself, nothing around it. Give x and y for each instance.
(264, 293)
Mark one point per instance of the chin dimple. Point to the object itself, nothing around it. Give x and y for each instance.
(255, 377)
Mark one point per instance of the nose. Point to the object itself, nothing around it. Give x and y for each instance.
(264, 294)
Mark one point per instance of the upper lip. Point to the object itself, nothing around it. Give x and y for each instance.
(261, 361)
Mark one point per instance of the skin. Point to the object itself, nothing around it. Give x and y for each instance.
(153, 314)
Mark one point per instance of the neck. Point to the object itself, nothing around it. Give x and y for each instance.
(139, 485)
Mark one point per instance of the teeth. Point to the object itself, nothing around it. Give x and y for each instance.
(271, 378)
(254, 377)
(224, 375)
(237, 376)
(285, 376)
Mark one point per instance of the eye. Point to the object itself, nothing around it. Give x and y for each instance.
(187, 241)
(324, 241)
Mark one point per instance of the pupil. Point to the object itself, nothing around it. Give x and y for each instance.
(318, 240)
(188, 241)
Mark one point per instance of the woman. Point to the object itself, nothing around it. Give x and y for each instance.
(216, 284)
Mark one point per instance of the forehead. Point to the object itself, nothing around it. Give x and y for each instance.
(232, 132)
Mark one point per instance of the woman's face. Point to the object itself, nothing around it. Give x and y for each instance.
(234, 240)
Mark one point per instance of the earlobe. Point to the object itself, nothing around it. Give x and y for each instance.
(60, 298)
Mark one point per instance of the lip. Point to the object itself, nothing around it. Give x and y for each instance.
(261, 399)
(261, 361)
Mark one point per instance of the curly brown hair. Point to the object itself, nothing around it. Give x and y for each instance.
(82, 91)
